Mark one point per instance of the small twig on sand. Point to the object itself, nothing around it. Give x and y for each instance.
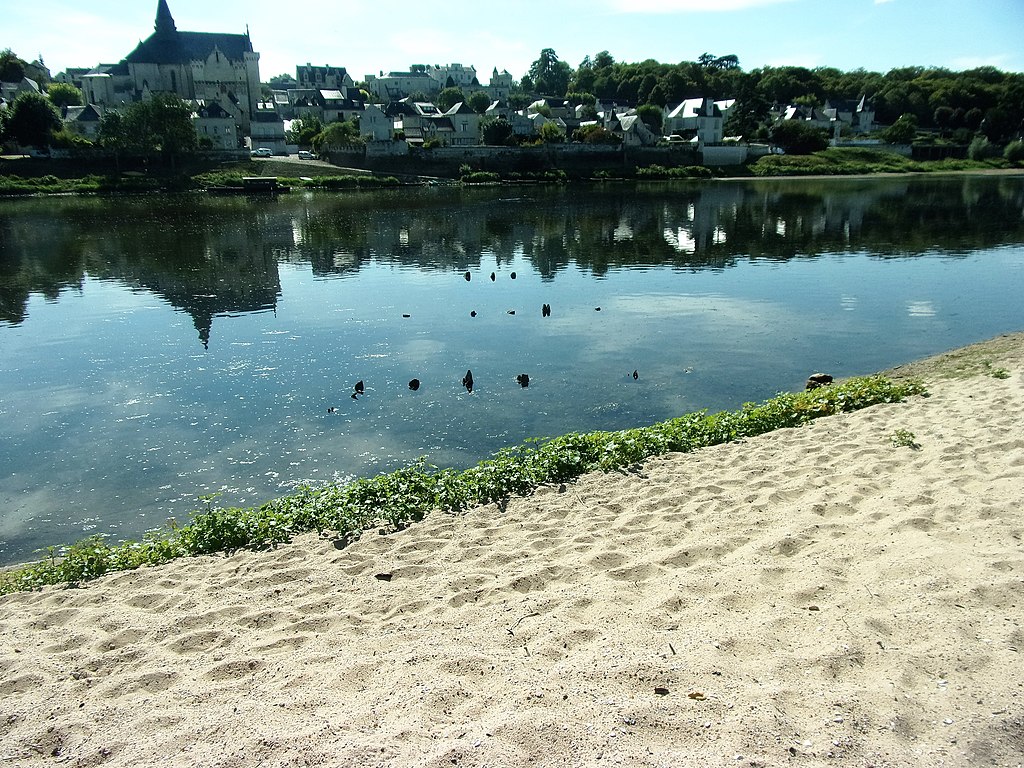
(520, 620)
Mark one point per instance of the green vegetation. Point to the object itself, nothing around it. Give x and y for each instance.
(995, 373)
(479, 177)
(449, 97)
(347, 181)
(850, 160)
(161, 125)
(49, 184)
(903, 438)
(683, 172)
(395, 500)
(64, 95)
(32, 121)
(798, 138)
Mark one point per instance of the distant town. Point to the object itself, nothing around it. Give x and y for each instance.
(707, 112)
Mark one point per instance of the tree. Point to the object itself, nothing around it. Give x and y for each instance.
(651, 116)
(339, 135)
(449, 97)
(162, 125)
(973, 118)
(479, 102)
(552, 133)
(519, 100)
(943, 118)
(578, 98)
(114, 135)
(169, 121)
(497, 132)
(64, 95)
(981, 149)
(33, 119)
(549, 75)
(798, 138)
(304, 130)
(595, 134)
(902, 131)
(12, 68)
(1014, 152)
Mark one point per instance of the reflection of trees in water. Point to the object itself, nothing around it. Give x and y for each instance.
(211, 256)
(194, 259)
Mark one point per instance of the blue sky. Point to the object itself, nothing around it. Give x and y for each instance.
(367, 36)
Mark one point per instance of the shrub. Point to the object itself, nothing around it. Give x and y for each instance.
(799, 138)
(1014, 152)
(981, 149)
(480, 177)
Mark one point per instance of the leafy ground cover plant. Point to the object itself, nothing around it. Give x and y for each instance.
(904, 438)
(397, 499)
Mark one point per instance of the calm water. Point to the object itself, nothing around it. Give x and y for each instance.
(158, 349)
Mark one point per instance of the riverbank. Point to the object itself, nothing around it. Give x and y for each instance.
(845, 593)
(32, 176)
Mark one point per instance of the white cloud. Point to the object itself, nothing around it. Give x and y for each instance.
(689, 6)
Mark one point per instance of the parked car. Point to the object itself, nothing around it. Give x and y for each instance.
(262, 152)
(306, 155)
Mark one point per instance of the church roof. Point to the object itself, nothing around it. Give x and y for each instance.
(169, 46)
(183, 47)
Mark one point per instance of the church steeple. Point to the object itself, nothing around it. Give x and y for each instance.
(164, 21)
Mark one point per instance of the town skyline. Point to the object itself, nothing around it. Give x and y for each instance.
(845, 34)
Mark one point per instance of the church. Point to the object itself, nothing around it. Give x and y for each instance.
(204, 67)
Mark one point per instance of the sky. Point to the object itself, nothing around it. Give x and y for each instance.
(370, 36)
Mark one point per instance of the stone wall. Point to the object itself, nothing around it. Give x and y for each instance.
(394, 157)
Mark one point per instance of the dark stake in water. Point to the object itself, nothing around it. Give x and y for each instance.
(156, 350)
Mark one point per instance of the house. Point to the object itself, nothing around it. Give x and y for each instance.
(858, 116)
(339, 104)
(552, 107)
(83, 121)
(318, 78)
(214, 122)
(813, 115)
(11, 91)
(108, 85)
(196, 66)
(374, 125)
(500, 86)
(267, 130)
(453, 76)
(411, 117)
(632, 129)
(72, 76)
(701, 119)
(399, 85)
(465, 124)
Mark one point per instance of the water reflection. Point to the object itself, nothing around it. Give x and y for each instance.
(160, 348)
(211, 257)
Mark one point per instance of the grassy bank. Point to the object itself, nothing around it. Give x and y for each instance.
(395, 500)
(56, 177)
(846, 161)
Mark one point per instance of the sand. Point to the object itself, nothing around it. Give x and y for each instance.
(815, 596)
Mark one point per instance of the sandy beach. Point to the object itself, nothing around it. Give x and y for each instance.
(814, 596)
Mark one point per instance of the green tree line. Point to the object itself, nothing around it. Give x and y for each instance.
(981, 99)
